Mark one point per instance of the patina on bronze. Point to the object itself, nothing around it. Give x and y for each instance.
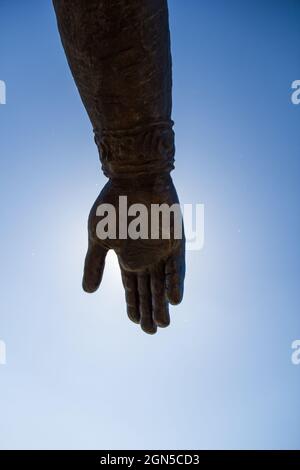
(119, 55)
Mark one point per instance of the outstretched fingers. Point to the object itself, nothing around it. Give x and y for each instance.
(148, 293)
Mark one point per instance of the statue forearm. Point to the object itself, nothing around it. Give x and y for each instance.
(119, 55)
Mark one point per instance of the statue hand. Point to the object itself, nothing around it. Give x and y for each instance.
(152, 269)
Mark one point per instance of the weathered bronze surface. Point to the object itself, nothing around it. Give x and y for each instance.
(119, 55)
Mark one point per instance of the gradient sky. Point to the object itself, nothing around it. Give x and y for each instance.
(79, 375)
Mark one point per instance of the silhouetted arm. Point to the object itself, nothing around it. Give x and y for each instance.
(119, 55)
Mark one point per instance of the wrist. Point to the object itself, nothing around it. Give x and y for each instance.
(146, 150)
(153, 183)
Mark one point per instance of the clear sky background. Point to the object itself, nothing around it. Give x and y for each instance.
(79, 374)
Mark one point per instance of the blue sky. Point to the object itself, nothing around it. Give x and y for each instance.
(78, 373)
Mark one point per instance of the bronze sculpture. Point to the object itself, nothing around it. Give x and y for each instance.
(119, 55)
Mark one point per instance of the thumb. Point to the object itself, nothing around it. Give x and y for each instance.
(93, 267)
